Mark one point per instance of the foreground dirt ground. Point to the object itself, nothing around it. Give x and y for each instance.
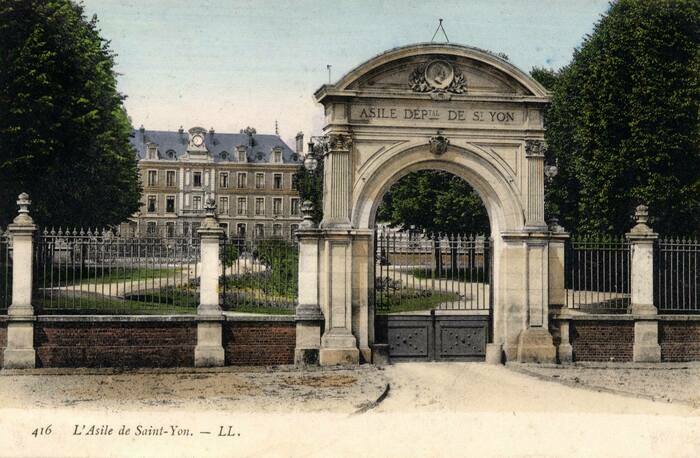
(432, 409)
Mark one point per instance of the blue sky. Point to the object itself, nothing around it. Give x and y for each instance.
(231, 64)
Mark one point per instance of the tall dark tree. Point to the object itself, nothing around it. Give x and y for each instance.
(434, 201)
(623, 124)
(64, 133)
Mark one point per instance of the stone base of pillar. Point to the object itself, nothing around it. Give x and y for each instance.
(19, 353)
(494, 353)
(646, 347)
(209, 351)
(565, 353)
(380, 355)
(306, 356)
(19, 358)
(339, 356)
(535, 345)
(308, 343)
(339, 346)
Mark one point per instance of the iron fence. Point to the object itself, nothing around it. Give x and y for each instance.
(418, 272)
(101, 272)
(677, 278)
(597, 274)
(5, 272)
(259, 275)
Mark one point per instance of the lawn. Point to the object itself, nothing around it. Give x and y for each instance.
(410, 300)
(109, 306)
(76, 275)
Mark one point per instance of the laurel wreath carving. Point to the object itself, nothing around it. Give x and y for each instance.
(418, 83)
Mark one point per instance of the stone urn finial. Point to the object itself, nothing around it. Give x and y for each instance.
(554, 225)
(641, 214)
(23, 217)
(641, 217)
(307, 210)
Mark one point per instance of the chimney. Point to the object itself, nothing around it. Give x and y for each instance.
(300, 143)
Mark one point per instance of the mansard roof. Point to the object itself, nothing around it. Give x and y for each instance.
(258, 147)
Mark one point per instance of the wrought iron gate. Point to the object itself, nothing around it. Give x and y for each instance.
(432, 295)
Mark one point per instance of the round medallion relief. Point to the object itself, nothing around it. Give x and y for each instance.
(439, 74)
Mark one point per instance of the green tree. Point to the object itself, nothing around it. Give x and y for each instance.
(623, 124)
(434, 201)
(64, 133)
(545, 76)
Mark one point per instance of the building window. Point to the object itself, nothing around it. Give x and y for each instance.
(185, 229)
(240, 229)
(277, 230)
(259, 206)
(242, 208)
(277, 181)
(197, 179)
(152, 204)
(170, 178)
(294, 206)
(242, 179)
(223, 180)
(196, 202)
(293, 229)
(295, 185)
(223, 205)
(277, 156)
(242, 155)
(170, 153)
(224, 226)
(152, 177)
(277, 206)
(151, 228)
(259, 180)
(170, 229)
(259, 230)
(170, 204)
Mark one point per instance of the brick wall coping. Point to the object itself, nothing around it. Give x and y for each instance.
(624, 317)
(116, 318)
(233, 316)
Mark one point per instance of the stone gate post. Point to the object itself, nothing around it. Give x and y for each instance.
(19, 352)
(557, 287)
(309, 318)
(209, 350)
(646, 327)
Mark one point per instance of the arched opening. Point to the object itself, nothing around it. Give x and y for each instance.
(433, 260)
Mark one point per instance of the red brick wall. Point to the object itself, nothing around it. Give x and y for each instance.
(115, 344)
(602, 340)
(3, 341)
(679, 340)
(259, 343)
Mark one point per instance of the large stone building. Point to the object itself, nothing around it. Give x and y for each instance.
(249, 175)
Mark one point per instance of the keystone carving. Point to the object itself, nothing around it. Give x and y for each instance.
(438, 144)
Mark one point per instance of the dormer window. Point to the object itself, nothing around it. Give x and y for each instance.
(170, 153)
(223, 155)
(242, 156)
(277, 155)
(152, 150)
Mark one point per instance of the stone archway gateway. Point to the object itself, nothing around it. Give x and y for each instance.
(429, 106)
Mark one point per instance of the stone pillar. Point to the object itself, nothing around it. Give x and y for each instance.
(209, 350)
(337, 182)
(338, 344)
(557, 244)
(19, 352)
(534, 154)
(525, 334)
(646, 327)
(565, 352)
(309, 318)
